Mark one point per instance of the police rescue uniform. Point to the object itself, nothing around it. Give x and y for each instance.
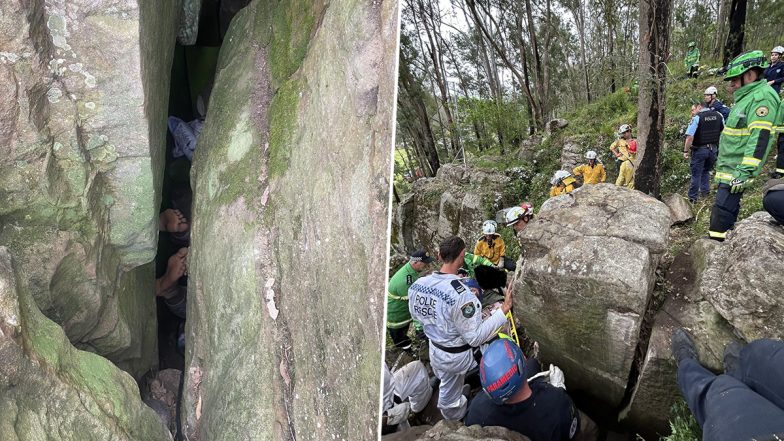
(451, 318)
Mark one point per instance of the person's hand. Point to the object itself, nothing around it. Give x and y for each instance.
(770, 83)
(685, 155)
(737, 185)
(507, 306)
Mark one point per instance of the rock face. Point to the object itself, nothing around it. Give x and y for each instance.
(50, 389)
(290, 225)
(572, 153)
(84, 88)
(722, 291)
(587, 272)
(556, 124)
(680, 210)
(454, 202)
(456, 431)
(528, 148)
(741, 281)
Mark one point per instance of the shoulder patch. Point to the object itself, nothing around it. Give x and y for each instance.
(459, 287)
(762, 111)
(468, 310)
(573, 428)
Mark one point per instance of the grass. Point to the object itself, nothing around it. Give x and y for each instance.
(683, 426)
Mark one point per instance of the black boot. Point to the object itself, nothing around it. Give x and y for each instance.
(683, 346)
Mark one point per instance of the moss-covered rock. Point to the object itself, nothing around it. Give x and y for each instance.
(51, 390)
(82, 143)
(287, 263)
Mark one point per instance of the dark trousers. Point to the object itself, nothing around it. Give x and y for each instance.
(702, 160)
(780, 155)
(400, 337)
(773, 203)
(725, 211)
(729, 408)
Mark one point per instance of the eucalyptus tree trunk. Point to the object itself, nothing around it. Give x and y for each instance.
(654, 47)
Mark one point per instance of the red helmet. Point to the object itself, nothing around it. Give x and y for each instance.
(528, 208)
(633, 146)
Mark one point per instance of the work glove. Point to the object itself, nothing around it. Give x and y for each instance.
(399, 413)
(557, 378)
(738, 186)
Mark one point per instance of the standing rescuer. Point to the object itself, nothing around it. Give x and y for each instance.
(746, 139)
(702, 143)
(398, 317)
(592, 172)
(452, 319)
(774, 74)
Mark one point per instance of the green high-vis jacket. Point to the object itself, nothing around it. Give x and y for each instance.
(692, 58)
(748, 134)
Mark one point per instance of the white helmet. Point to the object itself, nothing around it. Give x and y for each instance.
(711, 91)
(514, 214)
(489, 226)
(559, 176)
(778, 49)
(590, 154)
(624, 128)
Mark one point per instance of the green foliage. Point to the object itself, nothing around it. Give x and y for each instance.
(491, 120)
(683, 426)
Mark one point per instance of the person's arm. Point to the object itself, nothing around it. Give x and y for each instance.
(467, 317)
(760, 129)
(478, 247)
(690, 131)
(553, 191)
(501, 250)
(602, 173)
(613, 149)
(578, 171)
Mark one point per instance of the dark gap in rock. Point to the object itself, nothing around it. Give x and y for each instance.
(192, 75)
(655, 302)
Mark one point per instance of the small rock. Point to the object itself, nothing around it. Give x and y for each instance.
(680, 210)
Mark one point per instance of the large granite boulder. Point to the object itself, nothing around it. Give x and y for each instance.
(456, 201)
(586, 275)
(290, 225)
(84, 88)
(656, 390)
(720, 292)
(51, 390)
(741, 279)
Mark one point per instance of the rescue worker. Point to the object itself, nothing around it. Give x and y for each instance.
(692, 59)
(744, 403)
(626, 172)
(779, 172)
(746, 140)
(451, 316)
(620, 147)
(518, 217)
(593, 172)
(406, 391)
(702, 144)
(471, 261)
(562, 183)
(536, 408)
(491, 245)
(773, 199)
(774, 74)
(714, 104)
(398, 317)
